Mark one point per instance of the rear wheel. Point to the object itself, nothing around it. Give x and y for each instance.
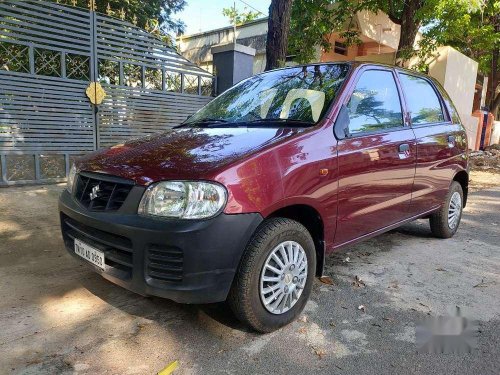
(275, 276)
(444, 223)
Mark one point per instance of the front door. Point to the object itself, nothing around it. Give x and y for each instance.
(376, 160)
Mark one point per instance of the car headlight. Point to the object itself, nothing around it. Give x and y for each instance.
(183, 199)
(71, 178)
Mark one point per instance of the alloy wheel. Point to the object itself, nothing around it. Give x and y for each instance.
(283, 277)
(454, 210)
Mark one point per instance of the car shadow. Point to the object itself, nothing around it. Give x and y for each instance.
(209, 316)
(161, 310)
(418, 228)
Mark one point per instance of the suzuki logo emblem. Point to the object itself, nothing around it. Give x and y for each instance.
(94, 193)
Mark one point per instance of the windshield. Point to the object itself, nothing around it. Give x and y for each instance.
(296, 96)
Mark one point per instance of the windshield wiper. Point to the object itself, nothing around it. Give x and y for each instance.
(285, 121)
(205, 123)
(208, 122)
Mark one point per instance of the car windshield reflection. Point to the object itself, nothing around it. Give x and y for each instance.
(294, 97)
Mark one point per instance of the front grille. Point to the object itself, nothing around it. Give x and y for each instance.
(118, 251)
(100, 194)
(164, 263)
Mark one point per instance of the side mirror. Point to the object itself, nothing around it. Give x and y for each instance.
(341, 127)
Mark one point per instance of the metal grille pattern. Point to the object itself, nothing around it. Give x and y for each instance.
(109, 72)
(49, 54)
(173, 81)
(47, 62)
(78, 67)
(153, 79)
(14, 57)
(100, 195)
(191, 84)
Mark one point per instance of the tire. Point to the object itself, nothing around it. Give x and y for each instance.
(439, 222)
(245, 295)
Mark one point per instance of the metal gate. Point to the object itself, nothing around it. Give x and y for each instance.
(73, 80)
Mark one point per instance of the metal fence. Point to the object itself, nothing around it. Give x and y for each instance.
(55, 59)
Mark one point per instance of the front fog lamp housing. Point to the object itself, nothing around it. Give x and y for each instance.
(71, 179)
(183, 199)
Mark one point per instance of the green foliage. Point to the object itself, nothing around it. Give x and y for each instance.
(425, 54)
(314, 21)
(240, 17)
(472, 27)
(156, 16)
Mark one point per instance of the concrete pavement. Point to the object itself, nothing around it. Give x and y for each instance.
(57, 316)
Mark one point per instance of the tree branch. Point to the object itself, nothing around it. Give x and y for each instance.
(391, 14)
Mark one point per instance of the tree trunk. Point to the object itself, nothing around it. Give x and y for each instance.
(277, 33)
(493, 83)
(409, 28)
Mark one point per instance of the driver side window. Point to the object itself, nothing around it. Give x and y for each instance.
(375, 103)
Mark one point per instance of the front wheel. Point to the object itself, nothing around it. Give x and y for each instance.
(275, 276)
(444, 223)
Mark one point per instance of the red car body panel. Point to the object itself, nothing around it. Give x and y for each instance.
(437, 164)
(357, 185)
(374, 183)
(180, 154)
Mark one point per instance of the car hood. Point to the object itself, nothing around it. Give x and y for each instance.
(184, 153)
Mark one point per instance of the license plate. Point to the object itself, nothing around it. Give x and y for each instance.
(89, 253)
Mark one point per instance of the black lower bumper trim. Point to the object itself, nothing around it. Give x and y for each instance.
(188, 261)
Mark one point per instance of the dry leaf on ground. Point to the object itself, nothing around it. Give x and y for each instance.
(358, 283)
(326, 280)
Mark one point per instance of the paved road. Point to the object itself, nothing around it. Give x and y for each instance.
(56, 316)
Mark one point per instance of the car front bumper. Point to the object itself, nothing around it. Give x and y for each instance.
(187, 261)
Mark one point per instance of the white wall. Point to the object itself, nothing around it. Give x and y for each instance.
(457, 73)
(378, 27)
(495, 133)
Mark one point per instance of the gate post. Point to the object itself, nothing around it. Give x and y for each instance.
(233, 63)
(94, 69)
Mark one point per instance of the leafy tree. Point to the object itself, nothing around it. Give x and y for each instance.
(473, 28)
(313, 22)
(407, 14)
(156, 16)
(240, 17)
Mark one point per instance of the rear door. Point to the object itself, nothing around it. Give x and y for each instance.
(376, 160)
(441, 142)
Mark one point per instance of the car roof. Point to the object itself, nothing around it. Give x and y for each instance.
(355, 64)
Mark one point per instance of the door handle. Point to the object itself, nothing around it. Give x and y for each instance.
(404, 151)
(405, 147)
(451, 141)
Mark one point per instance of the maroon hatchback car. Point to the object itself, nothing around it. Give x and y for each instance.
(245, 199)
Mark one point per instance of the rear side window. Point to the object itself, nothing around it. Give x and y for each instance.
(374, 104)
(423, 103)
(449, 104)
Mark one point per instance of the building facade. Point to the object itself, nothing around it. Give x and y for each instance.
(378, 34)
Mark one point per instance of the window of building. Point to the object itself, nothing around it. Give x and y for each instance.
(340, 48)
